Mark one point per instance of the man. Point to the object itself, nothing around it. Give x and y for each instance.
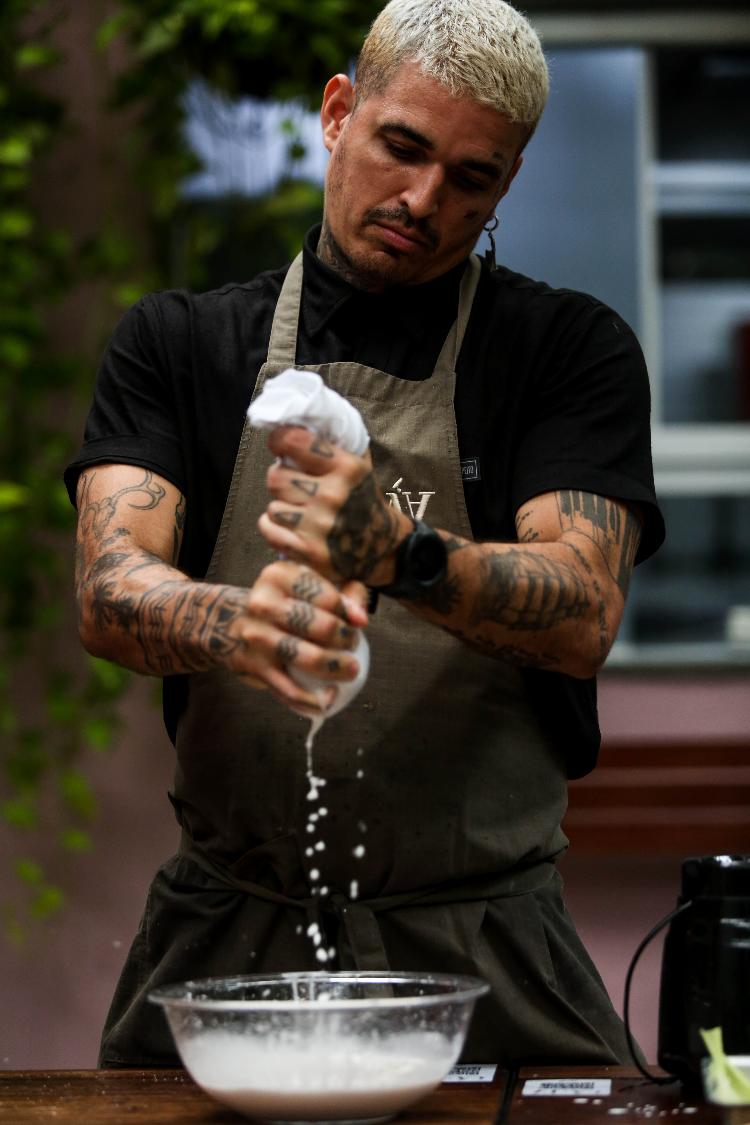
(512, 419)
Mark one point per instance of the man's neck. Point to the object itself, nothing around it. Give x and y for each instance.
(331, 254)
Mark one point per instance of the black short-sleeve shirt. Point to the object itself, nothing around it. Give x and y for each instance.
(551, 393)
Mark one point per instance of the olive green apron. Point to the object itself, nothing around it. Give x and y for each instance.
(443, 796)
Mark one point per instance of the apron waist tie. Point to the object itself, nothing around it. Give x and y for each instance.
(359, 916)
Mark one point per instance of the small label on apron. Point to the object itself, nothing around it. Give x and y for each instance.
(566, 1087)
(470, 469)
(471, 1072)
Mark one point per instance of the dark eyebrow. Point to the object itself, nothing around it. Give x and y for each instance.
(408, 133)
(483, 167)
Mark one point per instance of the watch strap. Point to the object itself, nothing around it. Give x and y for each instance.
(420, 560)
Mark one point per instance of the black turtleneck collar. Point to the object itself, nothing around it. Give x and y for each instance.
(414, 308)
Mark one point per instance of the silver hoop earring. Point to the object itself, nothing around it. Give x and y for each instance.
(490, 255)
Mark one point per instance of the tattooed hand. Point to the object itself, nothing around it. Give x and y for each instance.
(136, 608)
(329, 511)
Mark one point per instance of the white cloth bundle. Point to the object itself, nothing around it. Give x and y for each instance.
(301, 398)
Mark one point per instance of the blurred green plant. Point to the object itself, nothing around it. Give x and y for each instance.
(275, 50)
(53, 715)
(279, 49)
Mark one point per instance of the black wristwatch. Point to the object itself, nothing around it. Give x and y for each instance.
(421, 561)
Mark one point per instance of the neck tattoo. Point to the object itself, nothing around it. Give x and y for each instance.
(329, 252)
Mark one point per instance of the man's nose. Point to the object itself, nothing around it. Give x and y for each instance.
(422, 194)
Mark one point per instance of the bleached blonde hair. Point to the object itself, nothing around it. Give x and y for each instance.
(482, 49)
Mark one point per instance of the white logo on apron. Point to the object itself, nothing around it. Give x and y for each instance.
(417, 508)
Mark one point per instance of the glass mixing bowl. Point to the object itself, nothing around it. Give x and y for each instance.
(302, 1047)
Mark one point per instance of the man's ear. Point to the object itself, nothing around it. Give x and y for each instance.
(338, 102)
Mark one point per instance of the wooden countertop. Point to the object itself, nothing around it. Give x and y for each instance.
(170, 1097)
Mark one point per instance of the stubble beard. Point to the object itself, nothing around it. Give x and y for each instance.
(333, 254)
(358, 272)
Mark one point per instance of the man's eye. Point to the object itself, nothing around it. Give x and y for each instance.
(401, 152)
(467, 183)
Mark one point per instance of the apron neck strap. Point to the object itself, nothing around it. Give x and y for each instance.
(448, 358)
(282, 346)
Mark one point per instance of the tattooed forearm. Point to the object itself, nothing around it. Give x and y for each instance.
(174, 625)
(363, 533)
(597, 599)
(535, 605)
(442, 598)
(522, 591)
(186, 625)
(136, 608)
(452, 544)
(612, 527)
(511, 654)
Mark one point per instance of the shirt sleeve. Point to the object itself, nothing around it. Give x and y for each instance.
(132, 419)
(589, 420)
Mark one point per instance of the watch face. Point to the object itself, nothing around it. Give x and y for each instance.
(427, 557)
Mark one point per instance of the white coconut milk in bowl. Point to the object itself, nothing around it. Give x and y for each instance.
(345, 1047)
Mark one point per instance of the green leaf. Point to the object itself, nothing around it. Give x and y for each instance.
(29, 871)
(14, 178)
(108, 680)
(98, 733)
(128, 294)
(62, 708)
(14, 351)
(160, 36)
(35, 54)
(19, 813)
(15, 150)
(108, 31)
(14, 931)
(47, 902)
(15, 224)
(13, 495)
(77, 793)
(76, 840)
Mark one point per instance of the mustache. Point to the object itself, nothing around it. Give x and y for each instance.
(401, 217)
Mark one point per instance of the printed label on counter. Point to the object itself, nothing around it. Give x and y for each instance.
(567, 1087)
(471, 1072)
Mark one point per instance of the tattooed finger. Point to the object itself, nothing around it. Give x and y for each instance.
(287, 650)
(287, 519)
(309, 487)
(300, 617)
(322, 447)
(347, 636)
(307, 586)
